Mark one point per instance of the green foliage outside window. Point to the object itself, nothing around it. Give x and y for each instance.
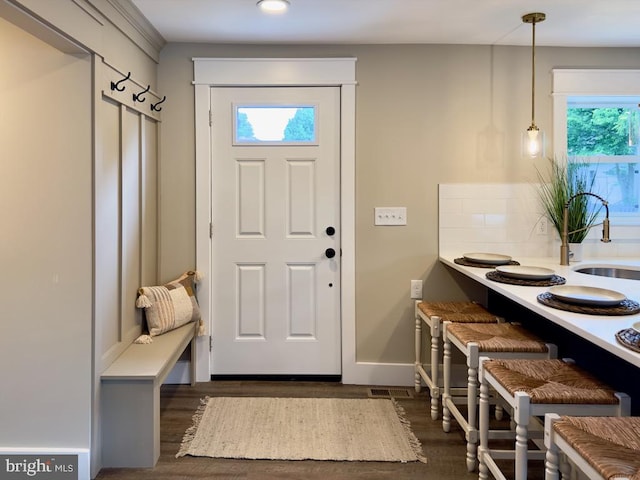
(244, 130)
(605, 133)
(301, 126)
(601, 131)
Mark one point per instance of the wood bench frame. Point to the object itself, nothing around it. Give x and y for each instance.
(130, 397)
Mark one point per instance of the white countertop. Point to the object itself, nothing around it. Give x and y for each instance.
(598, 329)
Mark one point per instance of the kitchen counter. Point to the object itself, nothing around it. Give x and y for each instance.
(597, 329)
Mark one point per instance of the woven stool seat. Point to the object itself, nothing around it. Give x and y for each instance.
(550, 381)
(539, 388)
(611, 445)
(492, 340)
(434, 314)
(463, 312)
(497, 337)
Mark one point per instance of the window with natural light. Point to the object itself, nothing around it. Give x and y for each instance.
(279, 125)
(603, 135)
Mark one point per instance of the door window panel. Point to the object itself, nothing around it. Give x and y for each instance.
(275, 125)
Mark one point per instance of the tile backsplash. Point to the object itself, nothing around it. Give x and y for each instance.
(503, 218)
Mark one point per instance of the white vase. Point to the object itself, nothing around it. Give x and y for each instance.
(575, 252)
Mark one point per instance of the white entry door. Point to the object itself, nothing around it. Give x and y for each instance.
(275, 231)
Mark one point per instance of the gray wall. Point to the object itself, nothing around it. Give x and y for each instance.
(78, 192)
(46, 244)
(425, 114)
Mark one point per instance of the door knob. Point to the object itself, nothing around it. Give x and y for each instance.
(330, 231)
(330, 252)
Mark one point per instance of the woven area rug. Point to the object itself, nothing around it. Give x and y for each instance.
(301, 429)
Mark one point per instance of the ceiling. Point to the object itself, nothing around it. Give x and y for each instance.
(588, 23)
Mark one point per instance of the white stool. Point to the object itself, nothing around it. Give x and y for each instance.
(533, 388)
(433, 314)
(493, 340)
(599, 447)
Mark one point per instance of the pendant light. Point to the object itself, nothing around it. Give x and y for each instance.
(533, 138)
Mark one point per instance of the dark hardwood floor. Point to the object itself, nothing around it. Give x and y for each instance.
(445, 452)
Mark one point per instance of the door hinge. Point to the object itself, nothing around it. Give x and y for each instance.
(210, 343)
(210, 230)
(210, 118)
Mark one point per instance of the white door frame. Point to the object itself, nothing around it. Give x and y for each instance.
(260, 72)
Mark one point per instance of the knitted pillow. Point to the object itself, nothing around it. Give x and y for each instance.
(171, 305)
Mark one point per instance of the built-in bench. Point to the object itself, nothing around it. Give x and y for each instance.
(130, 397)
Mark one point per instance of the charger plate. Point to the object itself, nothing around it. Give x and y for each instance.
(499, 277)
(630, 338)
(625, 307)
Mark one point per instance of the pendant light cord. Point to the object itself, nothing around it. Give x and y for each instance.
(533, 18)
(533, 72)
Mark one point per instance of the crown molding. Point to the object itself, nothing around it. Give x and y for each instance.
(133, 24)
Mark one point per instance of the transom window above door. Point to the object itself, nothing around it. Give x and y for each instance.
(275, 125)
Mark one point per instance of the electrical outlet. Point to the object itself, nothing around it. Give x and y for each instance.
(542, 226)
(416, 289)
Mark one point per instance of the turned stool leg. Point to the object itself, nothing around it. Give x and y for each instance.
(551, 466)
(472, 405)
(436, 328)
(484, 430)
(446, 366)
(418, 348)
(565, 470)
(521, 415)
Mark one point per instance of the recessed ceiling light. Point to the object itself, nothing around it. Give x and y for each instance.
(273, 6)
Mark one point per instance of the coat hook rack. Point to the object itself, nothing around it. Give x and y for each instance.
(116, 86)
(154, 106)
(137, 97)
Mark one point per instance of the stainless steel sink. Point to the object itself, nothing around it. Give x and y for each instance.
(612, 272)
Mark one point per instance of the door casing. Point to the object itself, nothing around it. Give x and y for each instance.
(210, 72)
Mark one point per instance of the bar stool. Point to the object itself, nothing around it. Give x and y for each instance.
(492, 340)
(533, 388)
(433, 314)
(599, 447)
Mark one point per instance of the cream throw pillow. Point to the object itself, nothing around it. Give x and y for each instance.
(171, 305)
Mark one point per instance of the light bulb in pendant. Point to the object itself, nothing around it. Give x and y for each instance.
(533, 142)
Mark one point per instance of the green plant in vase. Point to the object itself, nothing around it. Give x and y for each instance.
(562, 182)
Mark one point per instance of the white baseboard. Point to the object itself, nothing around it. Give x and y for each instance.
(388, 374)
(394, 374)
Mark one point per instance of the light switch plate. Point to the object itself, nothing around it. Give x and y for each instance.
(390, 216)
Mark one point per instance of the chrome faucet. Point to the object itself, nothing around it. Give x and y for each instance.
(564, 247)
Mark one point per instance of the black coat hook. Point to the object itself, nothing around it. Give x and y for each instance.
(116, 86)
(137, 97)
(154, 106)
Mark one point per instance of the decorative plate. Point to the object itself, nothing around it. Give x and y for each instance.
(582, 295)
(525, 272)
(636, 326)
(488, 258)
